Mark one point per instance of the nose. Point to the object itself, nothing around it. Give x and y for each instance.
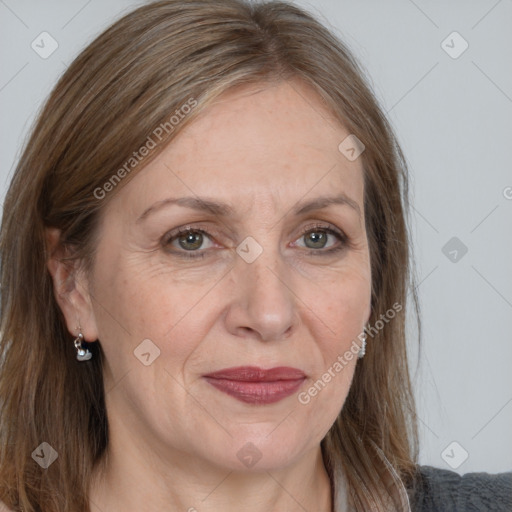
(263, 305)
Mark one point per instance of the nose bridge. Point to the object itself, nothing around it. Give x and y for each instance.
(264, 289)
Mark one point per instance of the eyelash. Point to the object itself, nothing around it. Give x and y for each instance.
(329, 229)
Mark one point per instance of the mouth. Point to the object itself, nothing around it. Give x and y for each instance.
(254, 385)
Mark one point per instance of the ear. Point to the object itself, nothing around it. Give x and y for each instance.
(368, 315)
(71, 288)
(368, 312)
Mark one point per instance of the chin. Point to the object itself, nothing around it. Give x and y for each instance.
(268, 452)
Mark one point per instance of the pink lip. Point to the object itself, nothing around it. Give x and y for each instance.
(254, 385)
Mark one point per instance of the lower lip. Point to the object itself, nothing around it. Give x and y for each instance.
(257, 392)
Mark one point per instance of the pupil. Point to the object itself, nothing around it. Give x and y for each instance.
(318, 239)
(194, 239)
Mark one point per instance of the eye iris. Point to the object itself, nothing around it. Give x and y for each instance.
(319, 239)
(193, 238)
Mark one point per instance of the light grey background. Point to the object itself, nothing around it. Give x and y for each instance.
(453, 119)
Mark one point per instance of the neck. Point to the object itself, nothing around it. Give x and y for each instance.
(129, 480)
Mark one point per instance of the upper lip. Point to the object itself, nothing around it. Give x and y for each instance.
(256, 374)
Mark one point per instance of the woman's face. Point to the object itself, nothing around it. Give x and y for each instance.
(261, 280)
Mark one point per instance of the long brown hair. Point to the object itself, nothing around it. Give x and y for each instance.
(123, 88)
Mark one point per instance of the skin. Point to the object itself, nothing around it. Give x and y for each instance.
(174, 438)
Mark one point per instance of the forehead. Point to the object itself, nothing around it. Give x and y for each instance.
(271, 143)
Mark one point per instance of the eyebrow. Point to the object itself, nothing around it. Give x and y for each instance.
(223, 209)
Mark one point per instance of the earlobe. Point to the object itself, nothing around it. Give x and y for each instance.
(70, 288)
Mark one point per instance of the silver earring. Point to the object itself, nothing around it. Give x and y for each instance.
(362, 350)
(82, 354)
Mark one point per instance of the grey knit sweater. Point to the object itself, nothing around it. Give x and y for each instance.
(437, 490)
(440, 490)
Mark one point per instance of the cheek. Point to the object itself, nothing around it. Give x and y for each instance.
(137, 302)
(342, 313)
(344, 304)
(322, 400)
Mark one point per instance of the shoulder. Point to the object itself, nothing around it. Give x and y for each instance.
(438, 489)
